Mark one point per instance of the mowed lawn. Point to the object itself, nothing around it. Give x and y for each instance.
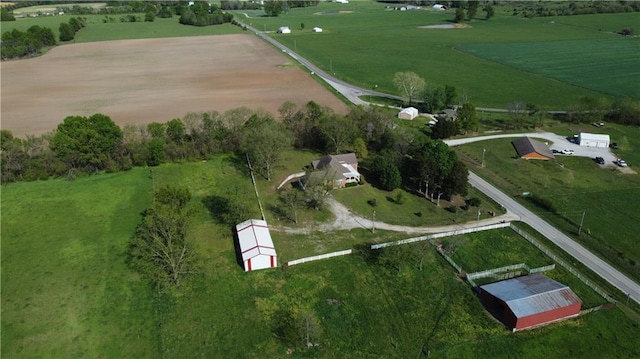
(609, 66)
(67, 291)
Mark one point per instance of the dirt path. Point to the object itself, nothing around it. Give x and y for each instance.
(345, 220)
(152, 80)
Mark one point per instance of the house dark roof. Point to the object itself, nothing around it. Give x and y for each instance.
(336, 162)
(525, 146)
(532, 294)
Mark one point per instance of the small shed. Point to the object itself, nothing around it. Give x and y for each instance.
(439, 7)
(593, 140)
(530, 149)
(284, 30)
(317, 29)
(256, 245)
(408, 113)
(530, 301)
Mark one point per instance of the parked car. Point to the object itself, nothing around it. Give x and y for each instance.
(621, 163)
(599, 160)
(567, 152)
(556, 151)
(614, 145)
(598, 124)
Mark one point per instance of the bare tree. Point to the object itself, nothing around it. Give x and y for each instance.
(409, 84)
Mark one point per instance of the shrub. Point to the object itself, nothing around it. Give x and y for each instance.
(400, 198)
(473, 202)
(452, 209)
(373, 202)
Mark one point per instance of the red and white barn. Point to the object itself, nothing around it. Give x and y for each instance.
(530, 301)
(256, 245)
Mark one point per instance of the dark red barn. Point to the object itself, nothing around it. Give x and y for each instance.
(530, 301)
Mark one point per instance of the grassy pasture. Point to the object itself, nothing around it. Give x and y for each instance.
(366, 44)
(575, 184)
(67, 291)
(97, 30)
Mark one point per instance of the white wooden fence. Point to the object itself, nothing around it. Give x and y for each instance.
(318, 257)
(441, 235)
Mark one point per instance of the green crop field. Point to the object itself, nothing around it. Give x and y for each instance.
(366, 45)
(612, 67)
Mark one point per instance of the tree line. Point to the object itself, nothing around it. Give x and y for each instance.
(85, 145)
(19, 44)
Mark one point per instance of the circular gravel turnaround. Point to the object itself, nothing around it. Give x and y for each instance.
(152, 80)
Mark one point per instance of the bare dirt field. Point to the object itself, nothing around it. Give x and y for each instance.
(152, 80)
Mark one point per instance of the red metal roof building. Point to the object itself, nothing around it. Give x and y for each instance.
(256, 245)
(530, 301)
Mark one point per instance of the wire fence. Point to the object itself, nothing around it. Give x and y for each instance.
(564, 264)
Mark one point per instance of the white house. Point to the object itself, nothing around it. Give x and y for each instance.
(439, 7)
(317, 29)
(593, 140)
(256, 245)
(342, 1)
(284, 30)
(408, 113)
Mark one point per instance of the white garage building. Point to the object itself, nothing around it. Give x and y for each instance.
(408, 113)
(593, 140)
(256, 245)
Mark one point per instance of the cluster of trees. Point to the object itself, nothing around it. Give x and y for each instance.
(89, 144)
(540, 9)
(276, 7)
(239, 5)
(159, 249)
(468, 10)
(16, 44)
(5, 15)
(203, 14)
(68, 30)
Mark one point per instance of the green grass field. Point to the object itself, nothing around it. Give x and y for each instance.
(366, 44)
(67, 291)
(611, 64)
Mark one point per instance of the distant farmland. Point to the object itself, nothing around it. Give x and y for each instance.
(604, 65)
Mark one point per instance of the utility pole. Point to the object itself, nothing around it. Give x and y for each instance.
(373, 222)
(478, 225)
(581, 221)
(483, 151)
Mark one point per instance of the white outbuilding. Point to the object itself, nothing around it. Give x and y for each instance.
(439, 7)
(256, 245)
(593, 140)
(317, 29)
(284, 30)
(408, 113)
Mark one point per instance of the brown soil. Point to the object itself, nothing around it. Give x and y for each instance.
(152, 80)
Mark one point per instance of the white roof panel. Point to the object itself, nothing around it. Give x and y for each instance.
(255, 239)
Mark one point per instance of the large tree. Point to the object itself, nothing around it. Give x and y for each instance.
(159, 249)
(264, 143)
(467, 118)
(409, 84)
(86, 141)
(337, 131)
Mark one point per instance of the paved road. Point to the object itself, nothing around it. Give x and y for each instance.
(593, 262)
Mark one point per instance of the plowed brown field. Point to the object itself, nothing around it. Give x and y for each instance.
(152, 80)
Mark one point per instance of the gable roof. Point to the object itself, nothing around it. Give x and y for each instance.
(341, 164)
(532, 294)
(254, 239)
(526, 145)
